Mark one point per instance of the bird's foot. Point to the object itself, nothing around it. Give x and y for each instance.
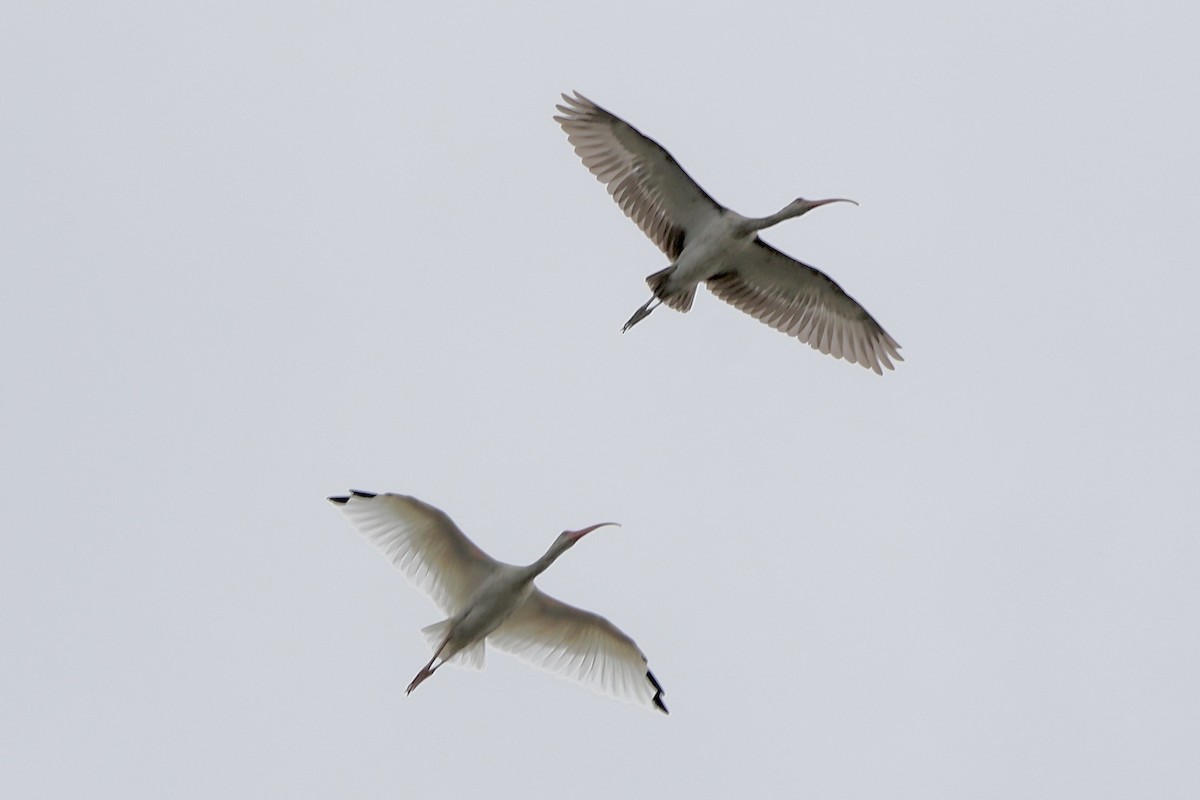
(641, 313)
(417, 681)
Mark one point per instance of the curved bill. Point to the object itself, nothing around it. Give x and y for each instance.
(815, 203)
(579, 534)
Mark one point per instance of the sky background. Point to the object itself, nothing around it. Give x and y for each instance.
(258, 253)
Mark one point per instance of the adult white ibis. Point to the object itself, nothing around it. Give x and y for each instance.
(487, 600)
(707, 242)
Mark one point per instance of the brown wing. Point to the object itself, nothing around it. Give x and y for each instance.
(806, 303)
(645, 180)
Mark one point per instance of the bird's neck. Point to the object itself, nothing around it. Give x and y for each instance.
(540, 566)
(787, 212)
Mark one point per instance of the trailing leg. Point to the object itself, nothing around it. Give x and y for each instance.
(641, 313)
(426, 671)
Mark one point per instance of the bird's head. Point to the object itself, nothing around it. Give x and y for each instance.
(801, 206)
(568, 539)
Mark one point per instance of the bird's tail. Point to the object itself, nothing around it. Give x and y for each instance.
(469, 657)
(680, 301)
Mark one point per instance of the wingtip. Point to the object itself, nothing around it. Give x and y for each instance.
(564, 109)
(576, 104)
(658, 693)
(341, 500)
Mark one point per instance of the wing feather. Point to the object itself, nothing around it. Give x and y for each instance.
(805, 303)
(642, 177)
(422, 542)
(580, 646)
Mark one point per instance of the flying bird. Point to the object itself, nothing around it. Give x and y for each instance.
(489, 601)
(707, 242)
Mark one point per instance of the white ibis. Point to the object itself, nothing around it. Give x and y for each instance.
(487, 600)
(707, 242)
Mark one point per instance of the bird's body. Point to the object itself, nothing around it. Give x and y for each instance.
(490, 601)
(726, 238)
(708, 243)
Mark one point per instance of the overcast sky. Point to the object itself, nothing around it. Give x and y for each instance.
(259, 253)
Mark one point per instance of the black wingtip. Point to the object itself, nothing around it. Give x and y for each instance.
(341, 500)
(658, 692)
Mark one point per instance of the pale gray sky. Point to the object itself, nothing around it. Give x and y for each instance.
(258, 253)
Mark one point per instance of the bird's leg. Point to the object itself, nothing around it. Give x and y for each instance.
(641, 313)
(426, 671)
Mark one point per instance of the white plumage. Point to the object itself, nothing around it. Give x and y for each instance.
(708, 243)
(489, 601)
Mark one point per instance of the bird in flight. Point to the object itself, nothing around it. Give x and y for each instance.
(707, 242)
(489, 601)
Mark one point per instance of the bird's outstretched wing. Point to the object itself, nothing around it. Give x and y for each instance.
(645, 180)
(423, 543)
(580, 646)
(804, 302)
